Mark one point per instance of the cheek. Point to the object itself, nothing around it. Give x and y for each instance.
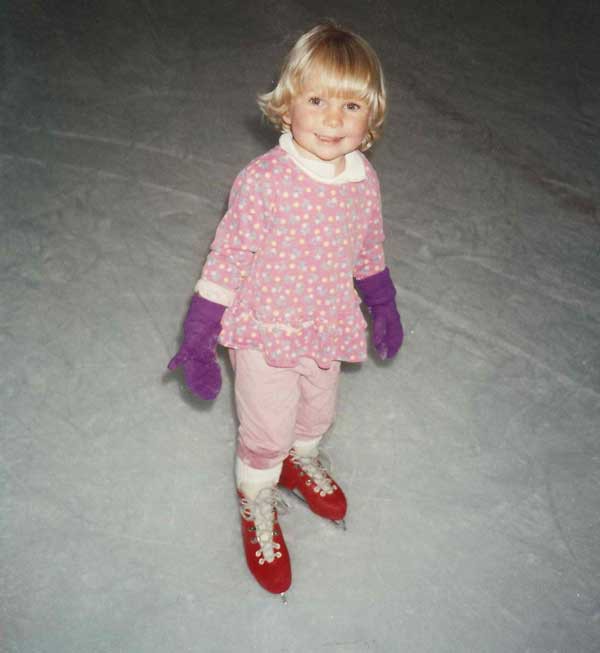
(304, 118)
(361, 126)
(296, 119)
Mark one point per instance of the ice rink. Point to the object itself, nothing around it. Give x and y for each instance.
(471, 462)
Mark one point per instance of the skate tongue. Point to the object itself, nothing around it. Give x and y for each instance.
(317, 472)
(261, 510)
(251, 490)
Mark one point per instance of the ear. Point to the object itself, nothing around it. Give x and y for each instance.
(287, 121)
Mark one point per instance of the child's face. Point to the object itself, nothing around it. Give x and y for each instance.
(327, 127)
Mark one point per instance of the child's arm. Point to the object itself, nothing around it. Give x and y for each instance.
(232, 250)
(239, 235)
(374, 283)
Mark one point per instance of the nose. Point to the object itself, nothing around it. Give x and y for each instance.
(333, 116)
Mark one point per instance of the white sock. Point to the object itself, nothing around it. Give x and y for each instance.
(251, 480)
(307, 448)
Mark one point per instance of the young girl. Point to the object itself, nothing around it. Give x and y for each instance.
(303, 228)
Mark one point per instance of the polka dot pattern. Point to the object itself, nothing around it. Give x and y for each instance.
(289, 246)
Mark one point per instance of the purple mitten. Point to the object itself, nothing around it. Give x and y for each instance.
(378, 293)
(197, 353)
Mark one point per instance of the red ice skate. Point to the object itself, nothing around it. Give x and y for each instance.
(266, 553)
(308, 479)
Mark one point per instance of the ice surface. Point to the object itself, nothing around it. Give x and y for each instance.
(471, 462)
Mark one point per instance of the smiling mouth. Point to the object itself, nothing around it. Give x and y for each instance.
(329, 139)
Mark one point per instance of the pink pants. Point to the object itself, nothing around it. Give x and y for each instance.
(278, 405)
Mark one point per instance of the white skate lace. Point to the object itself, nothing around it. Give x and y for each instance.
(261, 511)
(316, 468)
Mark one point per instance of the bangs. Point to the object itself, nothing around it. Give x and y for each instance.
(339, 71)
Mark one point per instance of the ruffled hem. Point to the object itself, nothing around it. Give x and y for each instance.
(284, 346)
(292, 362)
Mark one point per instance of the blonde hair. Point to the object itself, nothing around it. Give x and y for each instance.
(346, 66)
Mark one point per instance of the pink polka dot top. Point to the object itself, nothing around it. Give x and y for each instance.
(289, 246)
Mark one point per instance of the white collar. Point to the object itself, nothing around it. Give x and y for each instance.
(322, 170)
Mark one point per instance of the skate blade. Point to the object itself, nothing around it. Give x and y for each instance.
(340, 523)
(283, 598)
